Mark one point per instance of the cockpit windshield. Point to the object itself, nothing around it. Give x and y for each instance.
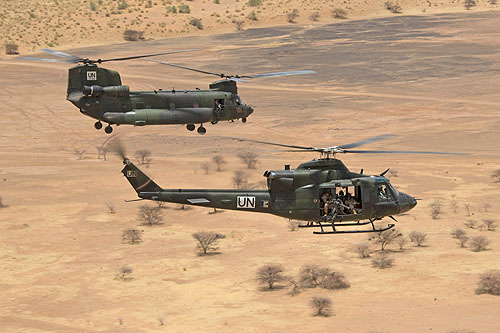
(237, 100)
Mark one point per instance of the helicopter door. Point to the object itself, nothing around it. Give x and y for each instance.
(219, 109)
(386, 201)
(341, 201)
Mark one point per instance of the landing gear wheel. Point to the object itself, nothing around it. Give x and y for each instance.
(98, 125)
(108, 129)
(244, 120)
(202, 130)
(190, 127)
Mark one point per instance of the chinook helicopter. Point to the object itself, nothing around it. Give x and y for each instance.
(98, 93)
(322, 192)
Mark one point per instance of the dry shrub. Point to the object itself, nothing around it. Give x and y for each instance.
(312, 276)
(489, 283)
(471, 224)
(150, 215)
(491, 225)
(249, 158)
(458, 232)
(382, 260)
(479, 243)
(291, 16)
(132, 236)
(207, 240)
(133, 35)
(322, 306)
(11, 49)
(219, 162)
(435, 209)
(270, 274)
(386, 237)
(402, 241)
(363, 249)
(124, 273)
(339, 13)
(462, 239)
(418, 237)
(314, 17)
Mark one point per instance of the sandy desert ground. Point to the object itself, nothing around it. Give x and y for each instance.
(431, 80)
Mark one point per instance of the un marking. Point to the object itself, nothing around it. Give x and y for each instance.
(131, 174)
(245, 202)
(91, 76)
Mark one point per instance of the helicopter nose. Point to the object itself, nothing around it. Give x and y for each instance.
(406, 202)
(248, 110)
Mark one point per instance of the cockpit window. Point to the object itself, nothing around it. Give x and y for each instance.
(384, 193)
(237, 100)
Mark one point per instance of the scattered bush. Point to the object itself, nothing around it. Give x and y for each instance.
(312, 276)
(111, 207)
(149, 4)
(270, 274)
(219, 162)
(205, 167)
(471, 224)
(402, 241)
(291, 16)
(435, 209)
(467, 207)
(491, 225)
(11, 49)
(468, 4)
(79, 153)
(124, 273)
(150, 215)
(382, 260)
(143, 156)
(458, 232)
(239, 24)
(122, 5)
(184, 9)
(172, 9)
(240, 179)
(339, 13)
(386, 237)
(314, 17)
(252, 16)
(418, 237)
(249, 158)
(489, 283)
(322, 306)
(133, 35)
(196, 22)
(254, 3)
(462, 239)
(393, 8)
(363, 250)
(479, 243)
(93, 6)
(132, 236)
(207, 241)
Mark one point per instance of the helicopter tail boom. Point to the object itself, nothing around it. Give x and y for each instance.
(139, 181)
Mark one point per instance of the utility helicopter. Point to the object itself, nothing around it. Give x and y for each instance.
(322, 192)
(98, 93)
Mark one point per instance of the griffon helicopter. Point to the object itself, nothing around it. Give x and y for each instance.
(323, 192)
(98, 93)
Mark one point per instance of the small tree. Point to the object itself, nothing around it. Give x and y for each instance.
(322, 306)
(142, 155)
(239, 24)
(79, 153)
(418, 237)
(489, 283)
(291, 16)
(393, 8)
(249, 158)
(239, 179)
(402, 241)
(382, 260)
(363, 249)
(270, 274)
(150, 215)
(386, 237)
(252, 16)
(496, 175)
(184, 9)
(468, 4)
(11, 49)
(334, 280)
(454, 204)
(219, 162)
(471, 224)
(462, 239)
(254, 3)
(125, 272)
(486, 207)
(207, 241)
(205, 167)
(467, 207)
(196, 22)
(310, 276)
(456, 233)
(132, 236)
(296, 288)
(314, 17)
(479, 243)
(133, 35)
(111, 207)
(339, 13)
(435, 209)
(491, 225)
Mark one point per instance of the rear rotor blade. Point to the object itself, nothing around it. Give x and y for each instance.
(47, 60)
(366, 141)
(276, 144)
(188, 68)
(145, 55)
(62, 54)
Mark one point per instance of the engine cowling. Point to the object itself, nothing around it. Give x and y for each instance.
(110, 91)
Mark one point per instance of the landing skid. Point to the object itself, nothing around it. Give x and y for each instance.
(335, 225)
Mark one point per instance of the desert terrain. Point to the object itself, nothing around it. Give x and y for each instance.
(432, 80)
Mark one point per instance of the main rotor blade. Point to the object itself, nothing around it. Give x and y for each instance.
(401, 152)
(61, 54)
(275, 74)
(366, 141)
(276, 144)
(145, 55)
(47, 60)
(186, 67)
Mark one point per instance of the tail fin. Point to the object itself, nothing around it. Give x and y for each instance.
(139, 181)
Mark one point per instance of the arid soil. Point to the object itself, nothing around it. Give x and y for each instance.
(431, 80)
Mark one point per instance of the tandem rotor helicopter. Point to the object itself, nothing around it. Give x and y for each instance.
(98, 93)
(323, 192)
